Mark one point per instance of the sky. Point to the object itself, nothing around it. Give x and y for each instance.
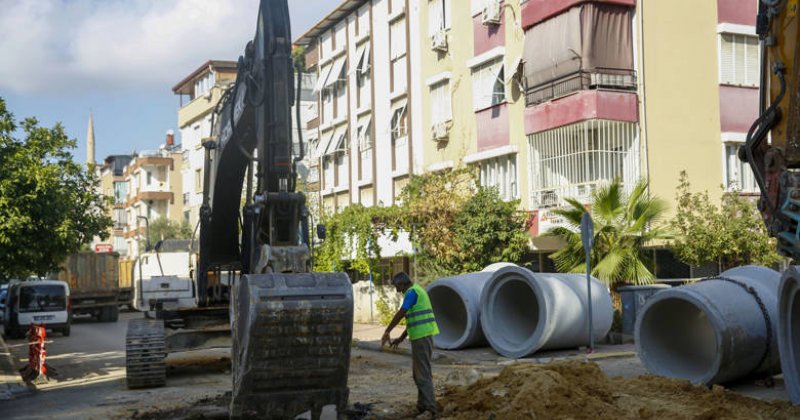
(119, 59)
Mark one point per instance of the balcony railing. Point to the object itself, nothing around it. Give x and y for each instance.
(600, 78)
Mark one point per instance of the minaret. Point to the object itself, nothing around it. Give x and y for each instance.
(90, 142)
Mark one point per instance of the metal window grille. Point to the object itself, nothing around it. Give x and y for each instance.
(501, 173)
(571, 161)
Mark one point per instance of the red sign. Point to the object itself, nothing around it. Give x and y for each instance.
(103, 248)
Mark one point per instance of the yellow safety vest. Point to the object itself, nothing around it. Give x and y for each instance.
(420, 322)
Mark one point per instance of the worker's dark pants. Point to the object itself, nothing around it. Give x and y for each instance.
(421, 350)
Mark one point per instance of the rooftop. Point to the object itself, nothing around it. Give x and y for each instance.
(345, 8)
(186, 86)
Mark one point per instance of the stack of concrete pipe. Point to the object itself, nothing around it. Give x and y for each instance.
(517, 311)
(715, 330)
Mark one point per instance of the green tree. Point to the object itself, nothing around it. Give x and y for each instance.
(623, 224)
(163, 228)
(731, 234)
(49, 207)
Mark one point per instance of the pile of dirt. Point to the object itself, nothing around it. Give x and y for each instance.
(578, 390)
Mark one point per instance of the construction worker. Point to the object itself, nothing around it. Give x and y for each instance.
(420, 328)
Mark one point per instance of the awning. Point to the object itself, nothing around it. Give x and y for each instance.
(324, 143)
(362, 59)
(363, 126)
(336, 72)
(324, 72)
(589, 37)
(335, 142)
(364, 67)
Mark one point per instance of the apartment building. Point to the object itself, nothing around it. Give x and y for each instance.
(698, 100)
(113, 184)
(199, 93)
(471, 97)
(154, 189)
(361, 141)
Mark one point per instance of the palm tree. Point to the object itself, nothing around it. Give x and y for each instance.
(623, 224)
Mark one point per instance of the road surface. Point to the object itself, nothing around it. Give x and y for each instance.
(90, 381)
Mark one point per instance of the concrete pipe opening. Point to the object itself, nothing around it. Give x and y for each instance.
(516, 312)
(680, 340)
(451, 316)
(789, 331)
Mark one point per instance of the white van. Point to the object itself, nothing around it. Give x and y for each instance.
(40, 302)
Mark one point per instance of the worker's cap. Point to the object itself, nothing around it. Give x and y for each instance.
(400, 279)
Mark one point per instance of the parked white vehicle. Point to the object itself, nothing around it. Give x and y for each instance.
(39, 302)
(163, 279)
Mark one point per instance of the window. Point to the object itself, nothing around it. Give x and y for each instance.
(362, 25)
(570, 161)
(327, 106)
(738, 60)
(327, 172)
(439, 18)
(340, 91)
(738, 175)
(149, 177)
(363, 76)
(400, 140)
(501, 173)
(441, 108)
(397, 55)
(340, 160)
(488, 85)
(396, 6)
(326, 42)
(198, 180)
(204, 84)
(365, 150)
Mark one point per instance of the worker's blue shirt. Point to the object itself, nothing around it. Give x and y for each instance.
(410, 299)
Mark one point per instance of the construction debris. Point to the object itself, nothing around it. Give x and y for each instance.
(579, 390)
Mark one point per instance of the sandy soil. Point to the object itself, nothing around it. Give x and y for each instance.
(579, 390)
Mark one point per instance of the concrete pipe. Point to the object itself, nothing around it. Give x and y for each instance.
(456, 305)
(523, 312)
(789, 331)
(713, 331)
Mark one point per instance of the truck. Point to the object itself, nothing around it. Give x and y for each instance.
(162, 278)
(93, 279)
(126, 283)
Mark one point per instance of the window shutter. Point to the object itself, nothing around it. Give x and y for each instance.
(752, 60)
(739, 59)
(726, 61)
(434, 17)
(447, 10)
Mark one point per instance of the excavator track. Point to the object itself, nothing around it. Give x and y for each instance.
(291, 344)
(145, 354)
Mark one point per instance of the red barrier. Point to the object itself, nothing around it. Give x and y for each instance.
(37, 354)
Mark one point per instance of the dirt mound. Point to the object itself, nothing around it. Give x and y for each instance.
(577, 390)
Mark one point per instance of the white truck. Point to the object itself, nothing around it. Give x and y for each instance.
(162, 278)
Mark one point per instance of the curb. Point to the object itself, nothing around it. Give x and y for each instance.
(447, 359)
(11, 384)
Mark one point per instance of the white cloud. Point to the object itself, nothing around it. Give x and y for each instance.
(69, 46)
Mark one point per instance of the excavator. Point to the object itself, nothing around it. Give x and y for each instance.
(772, 148)
(289, 329)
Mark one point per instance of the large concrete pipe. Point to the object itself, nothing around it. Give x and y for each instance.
(713, 331)
(456, 304)
(523, 312)
(789, 331)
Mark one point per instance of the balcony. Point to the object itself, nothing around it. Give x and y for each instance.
(607, 79)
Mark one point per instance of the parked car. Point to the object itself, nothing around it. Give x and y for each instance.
(41, 302)
(3, 294)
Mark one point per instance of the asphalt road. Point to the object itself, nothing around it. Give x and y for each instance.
(89, 380)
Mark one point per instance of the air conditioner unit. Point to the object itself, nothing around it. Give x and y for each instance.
(491, 13)
(439, 132)
(439, 41)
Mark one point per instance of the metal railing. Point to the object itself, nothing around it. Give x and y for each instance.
(598, 78)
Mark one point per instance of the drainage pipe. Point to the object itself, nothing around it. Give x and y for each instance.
(789, 331)
(523, 312)
(713, 331)
(456, 305)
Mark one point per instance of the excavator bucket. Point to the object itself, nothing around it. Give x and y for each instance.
(291, 344)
